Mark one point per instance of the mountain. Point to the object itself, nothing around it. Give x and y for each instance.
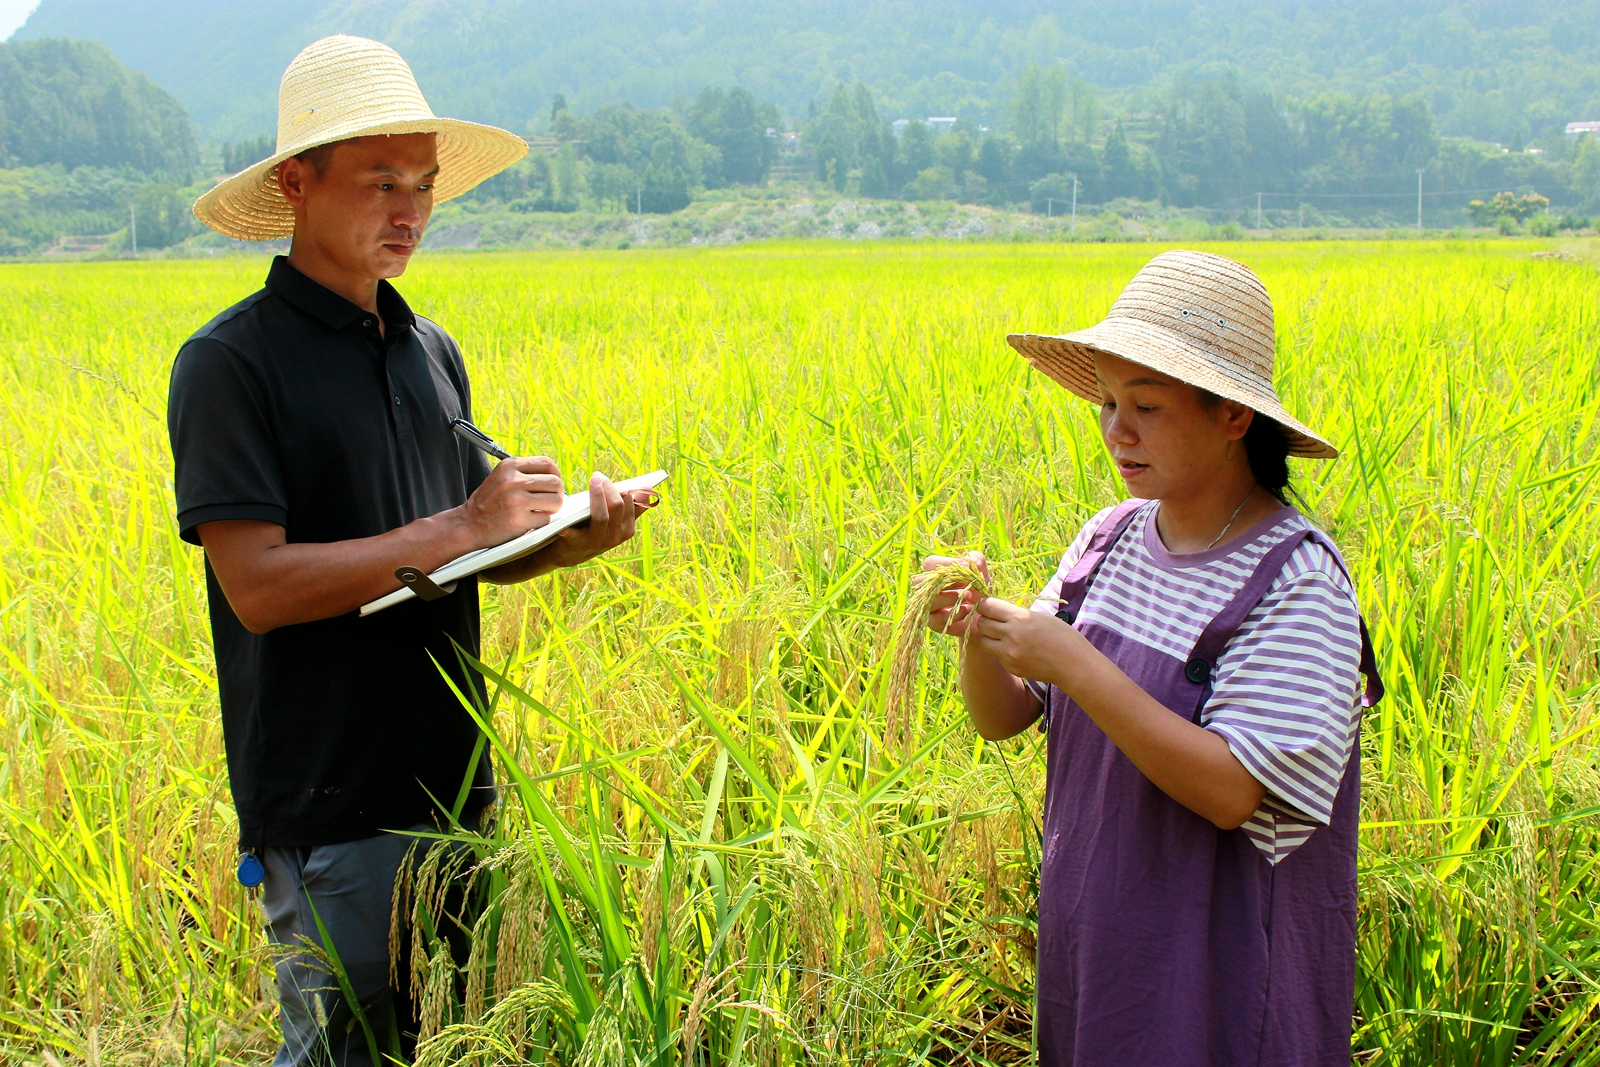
(1488, 69)
(73, 103)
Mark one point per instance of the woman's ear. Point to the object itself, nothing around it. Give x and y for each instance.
(1236, 419)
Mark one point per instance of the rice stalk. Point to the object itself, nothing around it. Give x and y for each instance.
(905, 654)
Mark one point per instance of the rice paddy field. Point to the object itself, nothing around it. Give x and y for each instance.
(707, 851)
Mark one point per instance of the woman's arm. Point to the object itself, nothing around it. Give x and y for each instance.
(1192, 765)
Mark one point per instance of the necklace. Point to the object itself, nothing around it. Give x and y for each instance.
(1235, 515)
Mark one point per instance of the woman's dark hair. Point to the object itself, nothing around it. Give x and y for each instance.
(1266, 446)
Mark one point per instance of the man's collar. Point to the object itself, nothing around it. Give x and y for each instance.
(328, 306)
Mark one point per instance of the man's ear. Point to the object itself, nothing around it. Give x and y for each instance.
(292, 176)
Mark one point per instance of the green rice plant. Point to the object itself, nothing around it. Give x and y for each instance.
(707, 849)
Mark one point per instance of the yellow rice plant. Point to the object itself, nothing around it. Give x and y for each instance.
(708, 850)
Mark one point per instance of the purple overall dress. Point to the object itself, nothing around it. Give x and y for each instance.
(1164, 940)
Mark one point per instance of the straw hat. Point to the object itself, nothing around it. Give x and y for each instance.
(339, 88)
(1200, 318)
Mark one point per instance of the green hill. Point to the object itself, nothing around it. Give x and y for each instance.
(1488, 70)
(72, 103)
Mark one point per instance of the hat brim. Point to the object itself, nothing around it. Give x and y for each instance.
(249, 206)
(1069, 360)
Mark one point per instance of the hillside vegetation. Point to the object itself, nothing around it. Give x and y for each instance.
(1489, 70)
(72, 103)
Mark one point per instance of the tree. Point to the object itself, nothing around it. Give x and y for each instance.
(1027, 107)
(1586, 173)
(1051, 194)
(733, 122)
(1508, 206)
(161, 215)
(1038, 104)
(236, 157)
(1116, 164)
(565, 175)
(1080, 161)
(916, 148)
(1085, 110)
(932, 183)
(955, 151)
(833, 135)
(1054, 100)
(994, 162)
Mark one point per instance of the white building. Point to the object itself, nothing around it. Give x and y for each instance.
(1575, 129)
(939, 124)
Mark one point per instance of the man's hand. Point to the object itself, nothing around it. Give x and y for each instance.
(1028, 644)
(272, 583)
(519, 495)
(950, 612)
(611, 522)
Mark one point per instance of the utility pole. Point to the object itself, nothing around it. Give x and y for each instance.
(1419, 201)
(1049, 208)
(133, 226)
(1258, 211)
(1074, 205)
(638, 203)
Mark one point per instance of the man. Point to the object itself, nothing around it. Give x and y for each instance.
(314, 455)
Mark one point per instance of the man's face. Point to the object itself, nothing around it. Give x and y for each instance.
(366, 211)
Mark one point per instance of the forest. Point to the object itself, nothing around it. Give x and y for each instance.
(1285, 137)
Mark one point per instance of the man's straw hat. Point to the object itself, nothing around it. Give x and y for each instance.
(1194, 316)
(339, 88)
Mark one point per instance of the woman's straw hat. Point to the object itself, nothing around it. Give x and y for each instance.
(1200, 318)
(339, 88)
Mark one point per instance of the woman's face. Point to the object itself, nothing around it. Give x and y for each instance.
(1166, 441)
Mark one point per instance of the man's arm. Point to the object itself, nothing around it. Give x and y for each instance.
(271, 583)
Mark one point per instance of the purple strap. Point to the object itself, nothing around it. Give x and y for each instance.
(1208, 649)
(1075, 585)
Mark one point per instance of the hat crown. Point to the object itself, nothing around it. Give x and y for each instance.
(1215, 304)
(337, 85)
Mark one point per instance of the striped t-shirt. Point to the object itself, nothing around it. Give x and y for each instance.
(1284, 691)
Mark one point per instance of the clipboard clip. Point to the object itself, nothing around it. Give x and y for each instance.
(414, 579)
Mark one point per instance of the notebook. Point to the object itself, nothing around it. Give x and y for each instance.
(574, 510)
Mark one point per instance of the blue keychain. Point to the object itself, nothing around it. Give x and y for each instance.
(251, 872)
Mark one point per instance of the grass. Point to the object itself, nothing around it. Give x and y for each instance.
(706, 852)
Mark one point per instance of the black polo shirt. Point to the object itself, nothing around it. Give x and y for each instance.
(291, 408)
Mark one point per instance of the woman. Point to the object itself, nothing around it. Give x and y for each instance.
(1195, 660)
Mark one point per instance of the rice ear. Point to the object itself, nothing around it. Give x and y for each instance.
(908, 639)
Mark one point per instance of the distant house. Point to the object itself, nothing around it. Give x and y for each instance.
(940, 124)
(1576, 129)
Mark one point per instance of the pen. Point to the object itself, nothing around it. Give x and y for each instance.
(477, 438)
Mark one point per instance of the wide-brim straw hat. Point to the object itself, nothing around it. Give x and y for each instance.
(338, 88)
(1194, 316)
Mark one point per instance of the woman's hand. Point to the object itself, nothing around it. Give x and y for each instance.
(1028, 644)
(951, 611)
(1190, 764)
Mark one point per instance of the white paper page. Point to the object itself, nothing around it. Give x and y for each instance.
(574, 509)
